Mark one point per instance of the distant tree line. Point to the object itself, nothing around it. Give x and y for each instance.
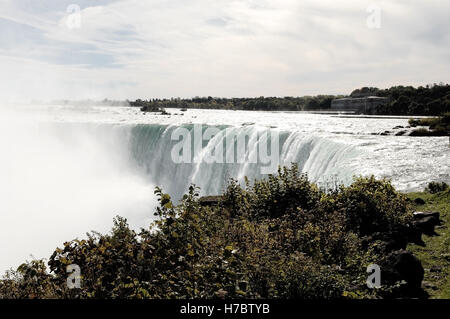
(320, 102)
(407, 100)
(403, 100)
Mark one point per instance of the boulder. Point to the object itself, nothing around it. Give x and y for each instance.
(403, 265)
(422, 215)
(415, 236)
(419, 201)
(425, 225)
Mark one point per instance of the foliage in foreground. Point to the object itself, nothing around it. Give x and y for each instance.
(280, 237)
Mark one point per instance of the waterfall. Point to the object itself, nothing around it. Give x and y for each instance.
(65, 173)
(151, 146)
(60, 180)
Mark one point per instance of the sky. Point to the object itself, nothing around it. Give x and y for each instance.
(119, 49)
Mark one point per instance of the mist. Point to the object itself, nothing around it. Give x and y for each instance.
(61, 180)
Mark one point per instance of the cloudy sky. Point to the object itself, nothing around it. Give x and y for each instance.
(170, 48)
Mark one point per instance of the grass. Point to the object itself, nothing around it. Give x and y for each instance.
(435, 255)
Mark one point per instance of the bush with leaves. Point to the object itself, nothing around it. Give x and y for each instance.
(370, 205)
(280, 237)
(30, 281)
(436, 187)
(274, 196)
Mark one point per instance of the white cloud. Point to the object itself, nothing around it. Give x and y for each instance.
(164, 48)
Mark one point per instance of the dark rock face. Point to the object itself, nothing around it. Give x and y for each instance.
(419, 201)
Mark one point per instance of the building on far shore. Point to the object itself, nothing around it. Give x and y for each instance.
(359, 104)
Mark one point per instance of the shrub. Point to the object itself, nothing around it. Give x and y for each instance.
(280, 238)
(29, 281)
(274, 196)
(439, 126)
(370, 205)
(436, 187)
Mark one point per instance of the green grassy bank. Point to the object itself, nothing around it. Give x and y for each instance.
(435, 255)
